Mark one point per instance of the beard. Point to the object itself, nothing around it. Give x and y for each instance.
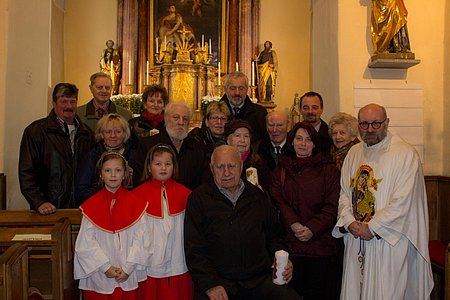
(178, 132)
(373, 138)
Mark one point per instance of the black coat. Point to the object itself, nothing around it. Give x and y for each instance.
(252, 113)
(192, 159)
(46, 163)
(226, 243)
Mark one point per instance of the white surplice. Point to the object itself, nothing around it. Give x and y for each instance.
(96, 250)
(392, 196)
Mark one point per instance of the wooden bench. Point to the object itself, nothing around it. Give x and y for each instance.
(14, 273)
(57, 251)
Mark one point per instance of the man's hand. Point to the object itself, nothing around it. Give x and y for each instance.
(112, 272)
(46, 208)
(287, 274)
(355, 228)
(364, 232)
(217, 293)
(121, 275)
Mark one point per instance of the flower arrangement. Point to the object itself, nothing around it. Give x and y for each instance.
(131, 102)
(206, 100)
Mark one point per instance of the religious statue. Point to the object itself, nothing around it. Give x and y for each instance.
(295, 110)
(388, 27)
(110, 64)
(267, 72)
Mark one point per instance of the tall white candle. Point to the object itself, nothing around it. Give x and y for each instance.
(237, 67)
(210, 51)
(165, 42)
(253, 73)
(157, 48)
(112, 68)
(203, 41)
(146, 74)
(218, 73)
(129, 72)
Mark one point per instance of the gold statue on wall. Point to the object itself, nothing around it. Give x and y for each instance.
(110, 63)
(267, 72)
(388, 27)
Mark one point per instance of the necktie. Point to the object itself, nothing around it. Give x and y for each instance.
(100, 112)
(278, 150)
(236, 111)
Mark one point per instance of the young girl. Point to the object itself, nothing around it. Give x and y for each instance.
(109, 252)
(168, 276)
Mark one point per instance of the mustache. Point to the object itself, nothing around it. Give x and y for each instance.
(68, 110)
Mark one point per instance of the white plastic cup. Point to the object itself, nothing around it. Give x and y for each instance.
(281, 258)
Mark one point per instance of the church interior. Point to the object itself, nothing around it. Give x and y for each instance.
(323, 46)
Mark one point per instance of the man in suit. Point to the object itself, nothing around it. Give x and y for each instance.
(100, 104)
(240, 105)
(311, 108)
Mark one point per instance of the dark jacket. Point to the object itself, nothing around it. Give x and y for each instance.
(141, 127)
(226, 243)
(204, 136)
(86, 181)
(325, 140)
(266, 152)
(192, 160)
(89, 117)
(252, 113)
(46, 163)
(307, 193)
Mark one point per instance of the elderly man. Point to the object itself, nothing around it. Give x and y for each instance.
(100, 104)
(311, 109)
(383, 215)
(240, 105)
(50, 151)
(191, 154)
(231, 234)
(271, 148)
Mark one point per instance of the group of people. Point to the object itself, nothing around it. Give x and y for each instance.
(173, 213)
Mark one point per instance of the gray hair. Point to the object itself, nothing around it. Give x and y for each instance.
(169, 107)
(345, 119)
(235, 75)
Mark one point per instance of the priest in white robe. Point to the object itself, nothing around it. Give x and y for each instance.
(383, 216)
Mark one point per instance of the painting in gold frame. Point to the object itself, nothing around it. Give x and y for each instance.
(207, 18)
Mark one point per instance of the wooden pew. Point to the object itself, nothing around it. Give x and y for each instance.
(57, 250)
(14, 273)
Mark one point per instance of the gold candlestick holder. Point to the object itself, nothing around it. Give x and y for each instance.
(219, 89)
(130, 88)
(253, 91)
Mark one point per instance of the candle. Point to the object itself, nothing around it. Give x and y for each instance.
(157, 49)
(237, 67)
(112, 68)
(253, 73)
(218, 73)
(203, 41)
(210, 51)
(146, 74)
(165, 42)
(129, 72)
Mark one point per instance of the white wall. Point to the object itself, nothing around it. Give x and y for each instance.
(87, 26)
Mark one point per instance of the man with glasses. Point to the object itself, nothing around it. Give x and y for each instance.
(240, 105)
(383, 215)
(231, 233)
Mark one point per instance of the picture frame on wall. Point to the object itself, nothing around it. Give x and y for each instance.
(203, 19)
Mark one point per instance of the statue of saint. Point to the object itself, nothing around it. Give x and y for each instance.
(388, 27)
(267, 72)
(111, 58)
(295, 110)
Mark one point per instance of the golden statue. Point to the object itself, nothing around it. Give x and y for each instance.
(295, 110)
(267, 72)
(110, 64)
(388, 27)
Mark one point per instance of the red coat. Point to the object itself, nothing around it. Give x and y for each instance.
(308, 194)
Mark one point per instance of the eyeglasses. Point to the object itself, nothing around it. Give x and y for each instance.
(375, 125)
(217, 118)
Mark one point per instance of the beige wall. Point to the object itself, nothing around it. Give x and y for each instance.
(88, 25)
(3, 61)
(446, 82)
(288, 27)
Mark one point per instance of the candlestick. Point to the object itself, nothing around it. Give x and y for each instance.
(237, 67)
(129, 72)
(253, 73)
(210, 51)
(203, 41)
(157, 48)
(218, 74)
(146, 74)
